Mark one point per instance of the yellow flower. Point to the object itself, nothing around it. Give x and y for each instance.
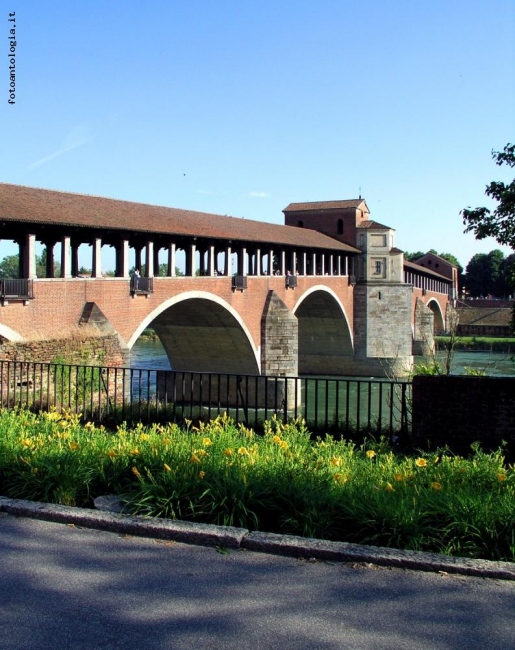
(421, 462)
(144, 436)
(501, 477)
(336, 461)
(436, 485)
(340, 478)
(242, 451)
(227, 452)
(283, 444)
(111, 453)
(206, 442)
(167, 467)
(201, 453)
(135, 471)
(74, 446)
(35, 470)
(398, 477)
(201, 474)
(135, 452)
(166, 441)
(194, 459)
(371, 453)
(27, 442)
(389, 487)
(276, 439)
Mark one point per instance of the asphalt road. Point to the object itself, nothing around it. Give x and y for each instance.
(66, 587)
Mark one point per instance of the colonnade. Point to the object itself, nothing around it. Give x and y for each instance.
(201, 258)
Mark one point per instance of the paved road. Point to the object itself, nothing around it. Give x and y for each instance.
(71, 588)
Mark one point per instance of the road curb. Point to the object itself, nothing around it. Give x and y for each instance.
(231, 537)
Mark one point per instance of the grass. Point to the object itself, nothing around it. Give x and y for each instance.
(478, 343)
(282, 481)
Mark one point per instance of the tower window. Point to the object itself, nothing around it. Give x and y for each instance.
(340, 227)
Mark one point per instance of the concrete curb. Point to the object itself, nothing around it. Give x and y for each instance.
(230, 537)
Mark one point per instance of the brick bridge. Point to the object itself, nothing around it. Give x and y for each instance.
(327, 293)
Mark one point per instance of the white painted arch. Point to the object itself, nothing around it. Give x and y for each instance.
(9, 334)
(321, 287)
(194, 295)
(434, 306)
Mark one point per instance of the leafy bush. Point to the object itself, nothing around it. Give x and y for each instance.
(283, 481)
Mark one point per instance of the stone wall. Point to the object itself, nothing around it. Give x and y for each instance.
(423, 336)
(80, 349)
(458, 411)
(382, 328)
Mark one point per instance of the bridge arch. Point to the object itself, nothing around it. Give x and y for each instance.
(9, 334)
(439, 317)
(203, 333)
(325, 335)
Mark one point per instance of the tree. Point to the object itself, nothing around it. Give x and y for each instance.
(10, 267)
(482, 273)
(413, 257)
(499, 224)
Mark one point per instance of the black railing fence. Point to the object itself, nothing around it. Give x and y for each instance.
(16, 288)
(113, 394)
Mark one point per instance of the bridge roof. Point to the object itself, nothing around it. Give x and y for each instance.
(423, 270)
(49, 207)
(325, 205)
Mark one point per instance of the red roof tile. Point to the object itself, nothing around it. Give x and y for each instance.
(50, 207)
(324, 205)
(368, 223)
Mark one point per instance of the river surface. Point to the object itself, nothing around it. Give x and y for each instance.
(150, 354)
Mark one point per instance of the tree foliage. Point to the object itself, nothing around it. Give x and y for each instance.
(499, 224)
(486, 274)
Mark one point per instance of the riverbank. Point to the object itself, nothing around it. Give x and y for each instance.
(477, 344)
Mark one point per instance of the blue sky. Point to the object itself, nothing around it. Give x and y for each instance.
(240, 107)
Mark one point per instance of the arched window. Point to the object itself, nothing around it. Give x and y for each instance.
(340, 227)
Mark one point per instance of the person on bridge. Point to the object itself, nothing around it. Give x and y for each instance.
(136, 278)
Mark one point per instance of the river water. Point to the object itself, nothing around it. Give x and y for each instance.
(148, 353)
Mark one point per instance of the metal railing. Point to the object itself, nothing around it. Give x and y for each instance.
(18, 288)
(142, 285)
(112, 394)
(239, 282)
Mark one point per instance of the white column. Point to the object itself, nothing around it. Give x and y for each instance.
(211, 260)
(30, 257)
(193, 267)
(149, 259)
(96, 266)
(124, 258)
(171, 260)
(283, 262)
(66, 270)
(258, 261)
(313, 264)
(242, 259)
(228, 261)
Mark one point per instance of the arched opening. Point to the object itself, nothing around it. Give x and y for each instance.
(325, 339)
(439, 320)
(201, 333)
